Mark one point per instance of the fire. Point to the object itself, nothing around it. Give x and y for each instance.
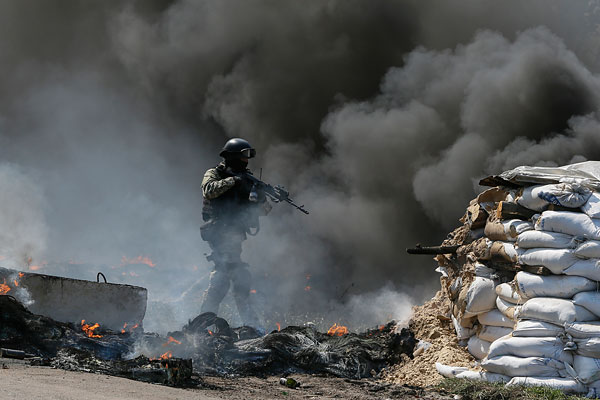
(381, 327)
(278, 326)
(16, 282)
(35, 267)
(307, 288)
(171, 340)
(167, 355)
(124, 327)
(138, 260)
(4, 288)
(21, 274)
(210, 332)
(337, 330)
(253, 291)
(89, 330)
(131, 328)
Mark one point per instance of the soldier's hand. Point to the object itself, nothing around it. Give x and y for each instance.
(237, 179)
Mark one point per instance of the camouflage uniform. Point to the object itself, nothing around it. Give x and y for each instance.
(229, 216)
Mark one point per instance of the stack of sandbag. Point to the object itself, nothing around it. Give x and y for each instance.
(524, 283)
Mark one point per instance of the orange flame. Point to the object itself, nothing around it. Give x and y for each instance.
(171, 340)
(337, 330)
(278, 326)
(307, 288)
(16, 283)
(89, 330)
(124, 327)
(138, 260)
(4, 288)
(21, 274)
(210, 332)
(167, 355)
(253, 291)
(381, 327)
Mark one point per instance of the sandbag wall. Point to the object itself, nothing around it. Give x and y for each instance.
(524, 285)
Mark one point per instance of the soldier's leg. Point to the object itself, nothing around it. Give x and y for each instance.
(241, 277)
(217, 289)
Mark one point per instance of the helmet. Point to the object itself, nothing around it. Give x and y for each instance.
(237, 148)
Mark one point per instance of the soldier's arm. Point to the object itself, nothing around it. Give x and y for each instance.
(213, 186)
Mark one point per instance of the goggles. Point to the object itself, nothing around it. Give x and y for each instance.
(248, 153)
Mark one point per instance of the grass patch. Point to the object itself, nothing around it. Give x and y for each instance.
(473, 390)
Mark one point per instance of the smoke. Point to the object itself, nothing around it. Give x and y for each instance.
(379, 116)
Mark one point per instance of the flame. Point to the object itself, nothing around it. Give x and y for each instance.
(135, 326)
(89, 330)
(4, 288)
(278, 326)
(307, 288)
(16, 282)
(381, 327)
(138, 260)
(210, 332)
(124, 327)
(21, 274)
(131, 328)
(166, 356)
(253, 291)
(337, 330)
(35, 267)
(171, 340)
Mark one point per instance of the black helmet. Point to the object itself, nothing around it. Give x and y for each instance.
(237, 148)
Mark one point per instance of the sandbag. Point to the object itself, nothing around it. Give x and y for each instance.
(449, 371)
(587, 268)
(548, 347)
(589, 347)
(495, 318)
(478, 348)
(587, 368)
(528, 366)
(569, 195)
(508, 309)
(462, 333)
(483, 376)
(506, 231)
(484, 271)
(589, 300)
(531, 285)
(504, 251)
(583, 330)
(556, 260)
(588, 249)
(507, 293)
(481, 297)
(556, 311)
(592, 206)
(491, 333)
(567, 385)
(571, 223)
(533, 328)
(541, 239)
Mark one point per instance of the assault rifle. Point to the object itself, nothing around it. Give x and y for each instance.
(277, 193)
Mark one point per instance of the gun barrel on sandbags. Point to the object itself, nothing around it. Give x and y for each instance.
(432, 250)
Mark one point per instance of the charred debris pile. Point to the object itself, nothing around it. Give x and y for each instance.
(520, 280)
(206, 345)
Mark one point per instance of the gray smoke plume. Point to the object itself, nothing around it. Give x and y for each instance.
(379, 116)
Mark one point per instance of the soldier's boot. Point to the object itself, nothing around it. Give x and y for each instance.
(217, 289)
(242, 279)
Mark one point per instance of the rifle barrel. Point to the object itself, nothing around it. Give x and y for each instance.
(432, 250)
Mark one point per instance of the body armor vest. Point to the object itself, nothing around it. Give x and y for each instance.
(232, 207)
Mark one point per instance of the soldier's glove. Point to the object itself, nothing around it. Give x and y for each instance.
(237, 179)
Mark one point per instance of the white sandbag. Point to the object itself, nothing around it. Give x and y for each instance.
(587, 368)
(519, 226)
(506, 231)
(483, 376)
(587, 268)
(589, 300)
(571, 223)
(531, 285)
(541, 239)
(481, 297)
(495, 318)
(528, 366)
(505, 251)
(462, 333)
(588, 249)
(583, 330)
(484, 271)
(556, 311)
(589, 347)
(548, 347)
(449, 371)
(561, 194)
(533, 328)
(478, 348)
(556, 260)
(507, 293)
(491, 333)
(508, 309)
(567, 385)
(592, 206)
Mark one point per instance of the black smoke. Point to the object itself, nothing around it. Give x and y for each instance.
(380, 116)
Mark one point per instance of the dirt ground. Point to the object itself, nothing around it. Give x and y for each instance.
(18, 380)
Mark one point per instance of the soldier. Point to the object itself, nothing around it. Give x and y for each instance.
(231, 210)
